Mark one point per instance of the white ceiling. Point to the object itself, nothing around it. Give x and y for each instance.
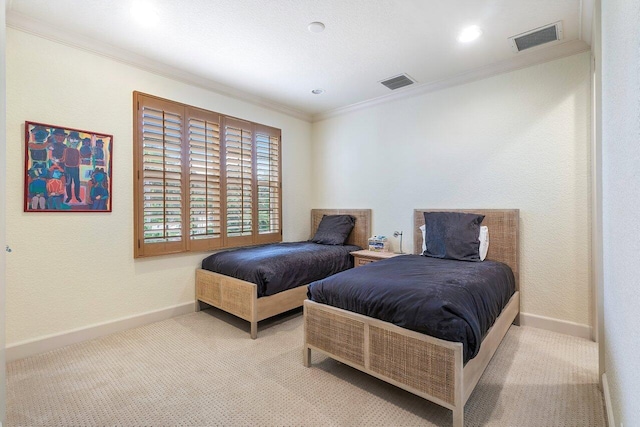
(261, 50)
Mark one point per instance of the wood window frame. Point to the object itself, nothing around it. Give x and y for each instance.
(186, 242)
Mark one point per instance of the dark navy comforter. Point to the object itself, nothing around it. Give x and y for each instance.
(451, 300)
(276, 267)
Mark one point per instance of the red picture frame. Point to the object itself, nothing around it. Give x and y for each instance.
(67, 169)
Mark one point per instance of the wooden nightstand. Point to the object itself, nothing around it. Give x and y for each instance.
(364, 257)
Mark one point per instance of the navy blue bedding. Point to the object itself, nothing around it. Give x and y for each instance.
(447, 299)
(276, 267)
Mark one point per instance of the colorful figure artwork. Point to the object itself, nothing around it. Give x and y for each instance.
(66, 170)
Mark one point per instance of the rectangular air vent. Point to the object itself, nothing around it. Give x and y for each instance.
(542, 35)
(397, 82)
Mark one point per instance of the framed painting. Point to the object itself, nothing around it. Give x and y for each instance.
(66, 170)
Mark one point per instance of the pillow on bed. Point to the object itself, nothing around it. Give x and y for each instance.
(484, 242)
(452, 235)
(483, 237)
(334, 229)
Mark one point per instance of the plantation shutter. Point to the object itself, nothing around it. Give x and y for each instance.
(159, 199)
(202, 181)
(205, 207)
(267, 147)
(238, 153)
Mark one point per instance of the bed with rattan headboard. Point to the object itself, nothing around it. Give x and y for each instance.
(240, 297)
(429, 367)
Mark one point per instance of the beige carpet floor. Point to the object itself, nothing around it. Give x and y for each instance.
(202, 369)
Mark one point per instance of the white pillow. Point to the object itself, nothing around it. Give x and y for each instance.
(424, 238)
(483, 237)
(484, 242)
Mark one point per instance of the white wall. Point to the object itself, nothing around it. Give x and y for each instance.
(2, 213)
(70, 271)
(517, 140)
(596, 180)
(621, 200)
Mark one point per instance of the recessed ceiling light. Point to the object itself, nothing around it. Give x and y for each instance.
(145, 13)
(469, 34)
(317, 91)
(316, 27)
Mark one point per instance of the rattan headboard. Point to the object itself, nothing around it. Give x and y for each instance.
(361, 231)
(503, 234)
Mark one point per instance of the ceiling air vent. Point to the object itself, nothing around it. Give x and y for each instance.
(397, 82)
(542, 35)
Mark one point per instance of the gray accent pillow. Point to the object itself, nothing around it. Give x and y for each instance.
(334, 229)
(452, 235)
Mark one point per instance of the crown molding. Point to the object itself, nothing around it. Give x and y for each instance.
(41, 29)
(29, 25)
(519, 61)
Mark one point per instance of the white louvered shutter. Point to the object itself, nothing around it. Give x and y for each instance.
(238, 153)
(161, 180)
(205, 207)
(267, 146)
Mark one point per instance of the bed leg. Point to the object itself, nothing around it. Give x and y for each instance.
(254, 330)
(458, 417)
(198, 307)
(306, 357)
(516, 321)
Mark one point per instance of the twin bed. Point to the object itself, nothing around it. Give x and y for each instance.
(257, 283)
(444, 371)
(427, 325)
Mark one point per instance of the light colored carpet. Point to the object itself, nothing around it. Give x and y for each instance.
(202, 369)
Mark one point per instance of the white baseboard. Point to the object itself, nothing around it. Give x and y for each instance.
(607, 401)
(35, 346)
(556, 325)
(39, 345)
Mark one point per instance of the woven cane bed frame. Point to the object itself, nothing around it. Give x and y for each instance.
(423, 365)
(240, 298)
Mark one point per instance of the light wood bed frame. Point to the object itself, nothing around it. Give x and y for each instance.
(240, 298)
(421, 364)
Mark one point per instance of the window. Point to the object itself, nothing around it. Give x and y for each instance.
(203, 181)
